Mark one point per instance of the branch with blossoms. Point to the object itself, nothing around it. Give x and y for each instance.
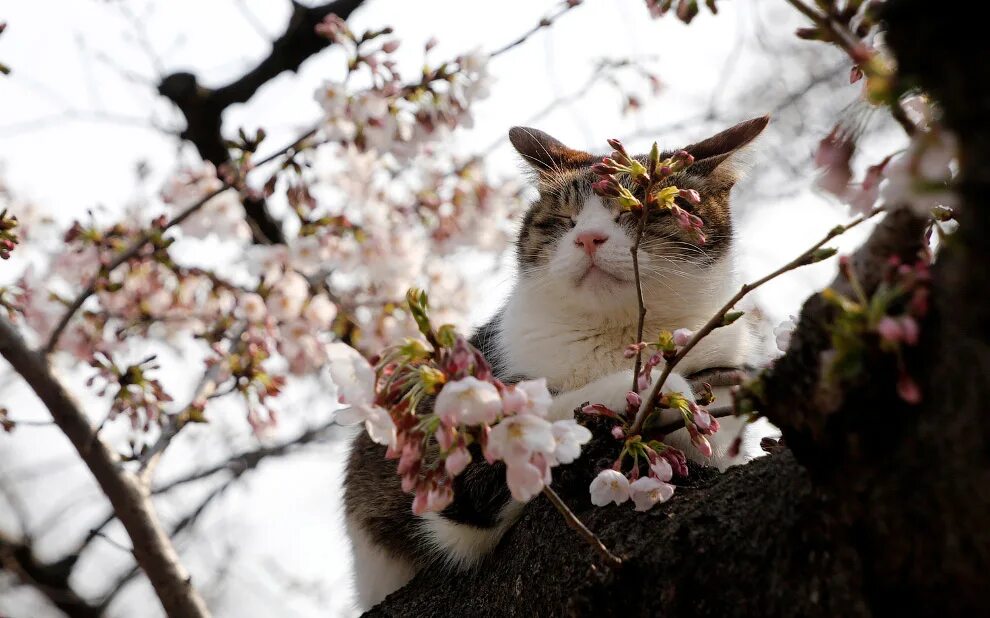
(642, 414)
(471, 412)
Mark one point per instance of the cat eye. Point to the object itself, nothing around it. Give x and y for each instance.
(565, 218)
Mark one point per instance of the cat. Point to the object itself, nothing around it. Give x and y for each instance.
(571, 314)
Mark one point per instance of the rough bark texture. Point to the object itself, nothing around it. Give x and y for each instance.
(878, 508)
(203, 107)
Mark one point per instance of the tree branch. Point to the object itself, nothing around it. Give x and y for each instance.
(51, 580)
(203, 107)
(152, 548)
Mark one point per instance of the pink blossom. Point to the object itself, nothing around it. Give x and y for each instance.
(909, 330)
(351, 373)
(456, 461)
(524, 480)
(470, 401)
(660, 469)
(908, 389)
(682, 336)
(609, 486)
(439, 498)
(538, 398)
(377, 422)
(647, 491)
(702, 419)
(285, 302)
(320, 311)
(516, 438)
(890, 329)
(618, 432)
(570, 437)
(251, 307)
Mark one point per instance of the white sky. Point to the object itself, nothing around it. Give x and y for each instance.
(70, 59)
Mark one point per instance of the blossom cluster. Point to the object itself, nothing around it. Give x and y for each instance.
(888, 319)
(8, 237)
(661, 460)
(393, 116)
(646, 178)
(472, 412)
(919, 177)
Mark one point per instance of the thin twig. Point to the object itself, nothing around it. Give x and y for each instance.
(546, 22)
(147, 236)
(717, 320)
(849, 43)
(639, 286)
(610, 559)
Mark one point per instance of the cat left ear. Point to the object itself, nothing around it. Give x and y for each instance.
(544, 153)
(710, 153)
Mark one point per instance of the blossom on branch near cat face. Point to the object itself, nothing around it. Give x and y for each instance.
(782, 333)
(682, 336)
(609, 486)
(470, 401)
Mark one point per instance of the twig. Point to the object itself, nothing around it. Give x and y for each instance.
(153, 551)
(849, 43)
(717, 320)
(207, 387)
(634, 250)
(546, 22)
(610, 559)
(147, 236)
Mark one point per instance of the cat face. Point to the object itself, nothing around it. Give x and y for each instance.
(575, 246)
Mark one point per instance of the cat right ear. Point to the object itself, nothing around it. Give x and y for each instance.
(545, 154)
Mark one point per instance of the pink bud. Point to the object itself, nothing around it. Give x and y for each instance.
(702, 419)
(690, 195)
(633, 399)
(421, 501)
(890, 330)
(909, 330)
(456, 461)
(618, 433)
(682, 336)
(908, 389)
(390, 47)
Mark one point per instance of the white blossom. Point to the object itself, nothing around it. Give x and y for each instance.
(570, 437)
(470, 401)
(647, 492)
(609, 486)
(517, 438)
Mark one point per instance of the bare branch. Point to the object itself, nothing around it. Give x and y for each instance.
(152, 548)
(203, 107)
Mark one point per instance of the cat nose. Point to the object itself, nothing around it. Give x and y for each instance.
(590, 240)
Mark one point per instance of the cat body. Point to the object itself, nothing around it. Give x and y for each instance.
(571, 315)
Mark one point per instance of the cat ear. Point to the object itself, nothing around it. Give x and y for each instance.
(711, 153)
(544, 153)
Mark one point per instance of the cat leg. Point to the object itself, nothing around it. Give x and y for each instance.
(377, 573)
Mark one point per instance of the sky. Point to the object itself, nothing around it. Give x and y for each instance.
(80, 112)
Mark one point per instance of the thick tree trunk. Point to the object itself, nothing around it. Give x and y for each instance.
(878, 508)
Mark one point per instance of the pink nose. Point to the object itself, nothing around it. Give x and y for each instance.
(590, 241)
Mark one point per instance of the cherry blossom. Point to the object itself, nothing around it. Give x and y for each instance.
(470, 401)
(646, 492)
(609, 486)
